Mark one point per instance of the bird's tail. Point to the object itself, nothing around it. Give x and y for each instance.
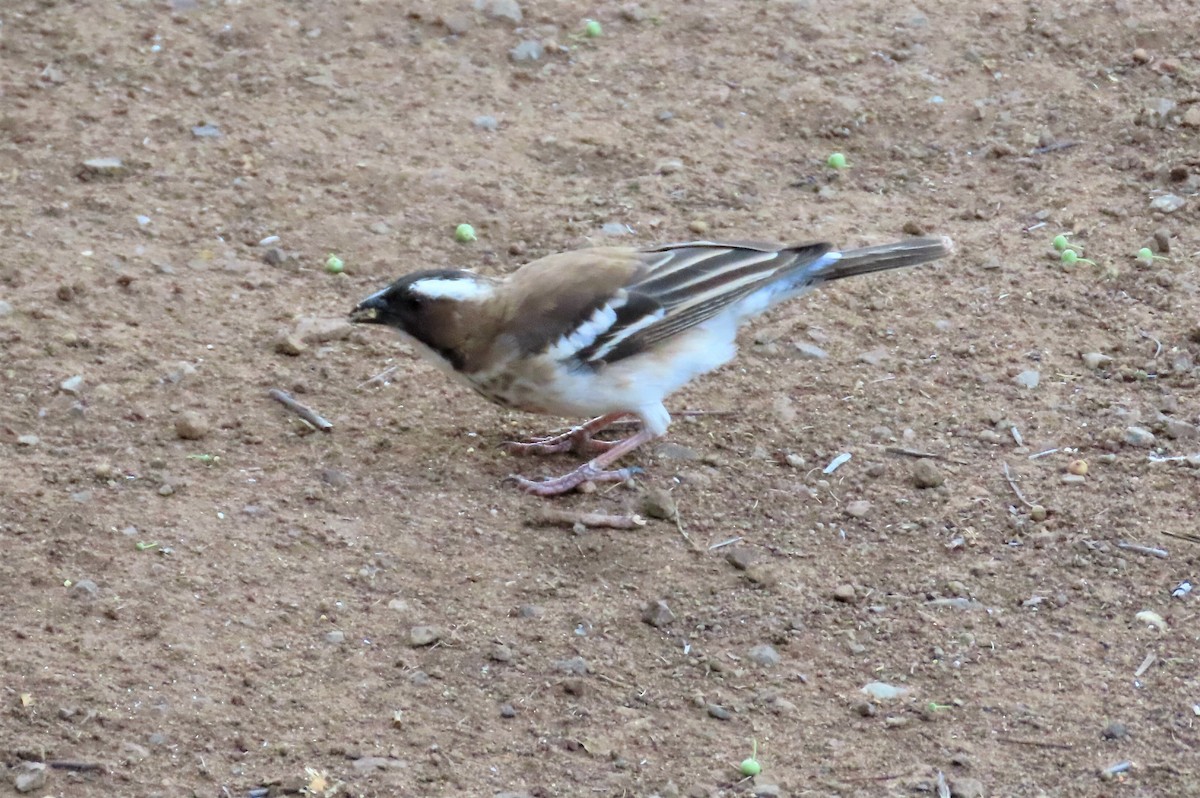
(911, 252)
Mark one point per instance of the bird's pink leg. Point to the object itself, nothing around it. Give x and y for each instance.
(578, 440)
(595, 470)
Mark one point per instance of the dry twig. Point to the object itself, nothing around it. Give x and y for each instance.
(550, 516)
(1012, 483)
(306, 413)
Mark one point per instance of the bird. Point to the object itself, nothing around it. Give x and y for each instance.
(609, 332)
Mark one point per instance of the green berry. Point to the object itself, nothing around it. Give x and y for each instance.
(464, 234)
(836, 161)
(1060, 242)
(1069, 256)
(335, 265)
(1145, 254)
(592, 29)
(750, 767)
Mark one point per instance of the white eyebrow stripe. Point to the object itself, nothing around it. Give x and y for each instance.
(461, 289)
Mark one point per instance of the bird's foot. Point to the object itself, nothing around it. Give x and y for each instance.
(570, 481)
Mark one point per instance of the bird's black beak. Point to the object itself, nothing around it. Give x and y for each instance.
(369, 311)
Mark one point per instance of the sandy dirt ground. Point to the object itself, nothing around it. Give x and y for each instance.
(202, 596)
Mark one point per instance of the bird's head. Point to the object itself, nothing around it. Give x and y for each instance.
(429, 307)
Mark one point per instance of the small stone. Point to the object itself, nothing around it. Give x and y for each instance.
(767, 791)
(274, 256)
(28, 440)
(6, 309)
(675, 451)
(1073, 479)
(668, 166)
(717, 711)
(1167, 203)
(575, 665)
(166, 489)
(698, 226)
(1191, 117)
(1037, 513)
(508, 711)
(1140, 56)
(528, 50)
(1162, 236)
(487, 123)
(874, 357)
(457, 23)
(882, 691)
(72, 385)
(420, 636)
(336, 637)
(501, 653)
(191, 426)
(858, 509)
(1029, 378)
(29, 776)
(926, 475)
(290, 343)
(334, 477)
(845, 594)
(103, 167)
(811, 351)
(1095, 360)
(85, 588)
(740, 557)
(658, 614)
(206, 132)
(500, 9)
(657, 503)
(765, 655)
(616, 229)
(866, 709)
(1116, 731)
(1139, 436)
(530, 611)
(133, 752)
(379, 228)
(963, 787)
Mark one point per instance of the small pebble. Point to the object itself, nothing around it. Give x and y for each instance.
(657, 503)
(858, 509)
(191, 426)
(765, 655)
(717, 711)
(740, 557)
(509, 10)
(488, 123)
(1139, 436)
(508, 711)
(1167, 203)
(657, 614)
(926, 475)
(29, 776)
(72, 385)
(6, 309)
(963, 787)
(1116, 731)
(882, 691)
(528, 50)
(501, 653)
(420, 636)
(28, 440)
(1029, 378)
(336, 637)
(1095, 360)
(811, 351)
(85, 588)
(698, 226)
(767, 791)
(845, 594)
(668, 166)
(575, 665)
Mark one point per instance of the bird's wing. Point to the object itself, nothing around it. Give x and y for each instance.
(600, 305)
(682, 285)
